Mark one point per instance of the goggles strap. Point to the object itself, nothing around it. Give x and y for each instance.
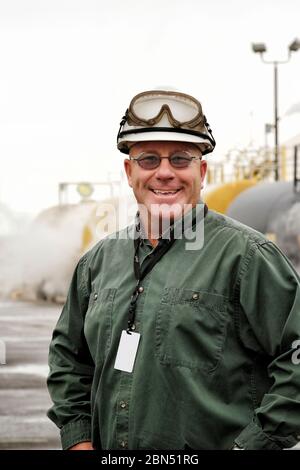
(123, 120)
(209, 130)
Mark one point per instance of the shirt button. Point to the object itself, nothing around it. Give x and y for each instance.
(123, 444)
(141, 289)
(123, 404)
(95, 296)
(195, 296)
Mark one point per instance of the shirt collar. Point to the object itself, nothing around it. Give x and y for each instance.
(188, 220)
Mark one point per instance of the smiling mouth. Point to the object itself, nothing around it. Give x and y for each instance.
(169, 192)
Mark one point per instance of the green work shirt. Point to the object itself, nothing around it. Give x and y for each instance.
(217, 363)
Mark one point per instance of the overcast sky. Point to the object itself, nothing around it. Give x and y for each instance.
(68, 69)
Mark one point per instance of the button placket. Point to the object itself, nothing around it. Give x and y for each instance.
(122, 411)
(124, 444)
(124, 396)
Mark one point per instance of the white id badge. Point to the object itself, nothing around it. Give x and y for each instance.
(127, 351)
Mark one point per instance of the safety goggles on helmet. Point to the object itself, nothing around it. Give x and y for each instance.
(165, 116)
(147, 109)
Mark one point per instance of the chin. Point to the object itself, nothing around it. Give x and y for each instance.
(167, 212)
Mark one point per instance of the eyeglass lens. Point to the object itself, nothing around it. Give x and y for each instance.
(149, 162)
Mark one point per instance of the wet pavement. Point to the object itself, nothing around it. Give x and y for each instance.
(26, 330)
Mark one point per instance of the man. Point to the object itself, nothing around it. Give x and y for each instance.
(161, 346)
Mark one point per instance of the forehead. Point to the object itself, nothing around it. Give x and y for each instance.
(165, 147)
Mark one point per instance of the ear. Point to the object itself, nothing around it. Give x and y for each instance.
(203, 169)
(128, 171)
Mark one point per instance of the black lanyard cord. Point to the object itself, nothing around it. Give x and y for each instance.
(163, 247)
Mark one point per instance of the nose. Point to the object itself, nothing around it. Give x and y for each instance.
(165, 170)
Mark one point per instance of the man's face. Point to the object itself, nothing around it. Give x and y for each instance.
(165, 185)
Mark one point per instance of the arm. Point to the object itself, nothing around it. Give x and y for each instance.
(269, 305)
(71, 366)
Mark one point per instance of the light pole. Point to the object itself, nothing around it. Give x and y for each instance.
(260, 48)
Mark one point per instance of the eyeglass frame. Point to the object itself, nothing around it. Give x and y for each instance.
(192, 158)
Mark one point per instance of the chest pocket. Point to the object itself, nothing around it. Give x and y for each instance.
(191, 329)
(98, 323)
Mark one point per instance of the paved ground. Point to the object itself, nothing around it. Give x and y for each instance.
(26, 331)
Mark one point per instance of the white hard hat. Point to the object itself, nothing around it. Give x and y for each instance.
(165, 116)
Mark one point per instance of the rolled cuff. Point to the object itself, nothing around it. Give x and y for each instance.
(254, 438)
(75, 432)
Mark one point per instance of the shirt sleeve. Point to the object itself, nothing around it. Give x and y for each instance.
(71, 366)
(269, 305)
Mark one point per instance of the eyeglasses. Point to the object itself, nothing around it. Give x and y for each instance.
(151, 161)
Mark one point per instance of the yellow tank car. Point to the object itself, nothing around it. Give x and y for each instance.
(107, 217)
(220, 198)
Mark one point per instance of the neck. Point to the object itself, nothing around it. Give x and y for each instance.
(153, 227)
(153, 241)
